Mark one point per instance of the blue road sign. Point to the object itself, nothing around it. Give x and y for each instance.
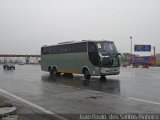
(142, 48)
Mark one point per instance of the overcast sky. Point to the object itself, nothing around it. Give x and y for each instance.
(26, 25)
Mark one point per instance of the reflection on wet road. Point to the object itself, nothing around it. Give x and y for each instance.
(138, 83)
(97, 84)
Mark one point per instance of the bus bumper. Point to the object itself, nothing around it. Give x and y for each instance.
(110, 71)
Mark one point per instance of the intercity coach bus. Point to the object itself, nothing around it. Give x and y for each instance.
(91, 58)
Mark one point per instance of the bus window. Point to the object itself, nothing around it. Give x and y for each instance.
(44, 50)
(93, 54)
(106, 47)
(76, 48)
(92, 47)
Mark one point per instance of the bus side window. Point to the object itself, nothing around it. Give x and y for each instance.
(45, 51)
(42, 51)
(76, 48)
(61, 49)
(83, 47)
(92, 47)
(67, 48)
(93, 54)
(53, 50)
(49, 51)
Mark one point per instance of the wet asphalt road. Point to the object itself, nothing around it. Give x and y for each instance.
(135, 90)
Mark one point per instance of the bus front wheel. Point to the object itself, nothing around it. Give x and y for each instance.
(103, 78)
(86, 74)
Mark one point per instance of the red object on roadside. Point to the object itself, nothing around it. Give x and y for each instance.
(143, 60)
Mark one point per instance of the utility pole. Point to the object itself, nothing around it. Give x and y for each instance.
(154, 48)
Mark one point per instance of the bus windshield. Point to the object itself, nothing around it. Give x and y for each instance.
(106, 47)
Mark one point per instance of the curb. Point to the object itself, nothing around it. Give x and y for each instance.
(5, 111)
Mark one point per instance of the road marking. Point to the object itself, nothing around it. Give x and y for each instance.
(33, 105)
(145, 101)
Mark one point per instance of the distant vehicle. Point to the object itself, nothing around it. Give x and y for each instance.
(143, 60)
(21, 63)
(8, 66)
(96, 58)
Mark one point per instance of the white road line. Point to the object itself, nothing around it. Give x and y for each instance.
(33, 105)
(145, 101)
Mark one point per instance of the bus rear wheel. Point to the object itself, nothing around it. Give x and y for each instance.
(53, 73)
(86, 74)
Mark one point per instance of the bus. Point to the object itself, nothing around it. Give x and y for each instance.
(90, 58)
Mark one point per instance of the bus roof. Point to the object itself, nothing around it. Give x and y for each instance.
(71, 42)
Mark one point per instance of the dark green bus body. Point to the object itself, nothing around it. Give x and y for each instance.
(77, 56)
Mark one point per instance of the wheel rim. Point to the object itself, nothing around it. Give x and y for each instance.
(53, 73)
(86, 74)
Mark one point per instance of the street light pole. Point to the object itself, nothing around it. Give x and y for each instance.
(131, 51)
(154, 51)
(131, 44)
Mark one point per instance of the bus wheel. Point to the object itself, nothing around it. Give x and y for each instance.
(103, 78)
(86, 74)
(53, 73)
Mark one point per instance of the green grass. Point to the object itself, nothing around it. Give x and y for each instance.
(158, 62)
